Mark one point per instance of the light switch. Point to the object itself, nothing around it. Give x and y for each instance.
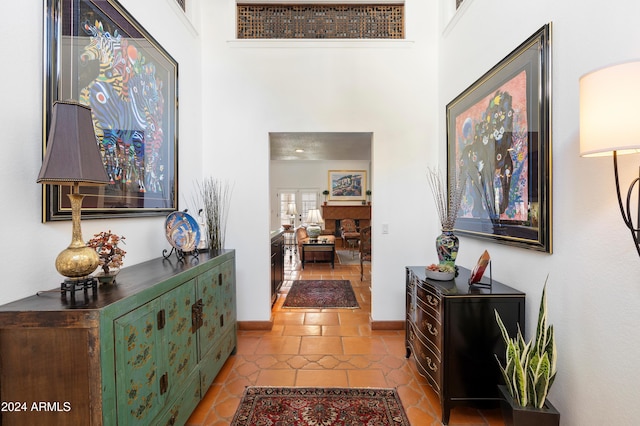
(385, 228)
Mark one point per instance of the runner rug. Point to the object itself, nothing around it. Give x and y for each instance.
(321, 294)
(320, 406)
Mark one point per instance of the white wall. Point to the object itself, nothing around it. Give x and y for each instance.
(593, 288)
(29, 248)
(288, 174)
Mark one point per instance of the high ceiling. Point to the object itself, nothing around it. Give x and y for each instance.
(320, 146)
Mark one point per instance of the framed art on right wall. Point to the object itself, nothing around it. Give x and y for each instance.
(499, 144)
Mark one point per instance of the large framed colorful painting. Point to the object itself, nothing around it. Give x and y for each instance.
(498, 143)
(98, 54)
(347, 185)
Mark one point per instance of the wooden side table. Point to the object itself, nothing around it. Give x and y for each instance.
(317, 250)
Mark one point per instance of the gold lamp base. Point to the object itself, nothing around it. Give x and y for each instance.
(77, 261)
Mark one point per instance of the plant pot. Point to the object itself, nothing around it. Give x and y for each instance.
(107, 278)
(515, 415)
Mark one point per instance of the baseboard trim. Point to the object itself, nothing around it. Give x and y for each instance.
(387, 325)
(255, 325)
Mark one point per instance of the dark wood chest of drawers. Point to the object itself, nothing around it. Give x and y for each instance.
(451, 330)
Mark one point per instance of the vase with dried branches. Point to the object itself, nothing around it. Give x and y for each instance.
(447, 200)
(214, 195)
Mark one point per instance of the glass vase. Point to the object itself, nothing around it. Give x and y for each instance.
(447, 246)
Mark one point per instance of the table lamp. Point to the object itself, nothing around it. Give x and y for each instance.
(292, 213)
(610, 125)
(314, 219)
(73, 158)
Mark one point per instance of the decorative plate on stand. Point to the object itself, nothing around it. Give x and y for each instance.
(182, 231)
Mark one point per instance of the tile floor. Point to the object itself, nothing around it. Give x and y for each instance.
(327, 347)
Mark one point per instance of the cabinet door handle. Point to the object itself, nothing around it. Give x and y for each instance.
(161, 319)
(220, 279)
(196, 315)
(164, 383)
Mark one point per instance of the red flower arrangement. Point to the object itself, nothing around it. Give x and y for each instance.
(106, 244)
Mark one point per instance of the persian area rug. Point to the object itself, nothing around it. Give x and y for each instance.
(321, 294)
(320, 406)
(346, 257)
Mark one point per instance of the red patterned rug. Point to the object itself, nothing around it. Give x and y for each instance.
(321, 294)
(320, 407)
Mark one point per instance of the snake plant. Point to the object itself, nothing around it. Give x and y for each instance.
(530, 366)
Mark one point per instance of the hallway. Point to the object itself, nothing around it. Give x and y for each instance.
(329, 348)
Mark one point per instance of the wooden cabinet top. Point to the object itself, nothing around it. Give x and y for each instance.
(459, 287)
(137, 282)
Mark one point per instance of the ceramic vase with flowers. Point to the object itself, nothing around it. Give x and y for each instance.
(447, 204)
(106, 244)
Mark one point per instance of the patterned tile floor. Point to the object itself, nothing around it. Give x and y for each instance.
(327, 347)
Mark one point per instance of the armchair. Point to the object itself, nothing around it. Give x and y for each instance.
(349, 233)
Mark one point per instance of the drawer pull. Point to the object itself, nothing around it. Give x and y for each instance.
(433, 330)
(432, 365)
(433, 301)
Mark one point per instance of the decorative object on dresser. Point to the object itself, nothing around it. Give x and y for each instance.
(447, 204)
(326, 194)
(605, 131)
(499, 139)
(529, 371)
(143, 352)
(314, 219)
(111, 255)
(72, 158)
(214, 197)
(183, 233)
(452, 333)
(478, 270)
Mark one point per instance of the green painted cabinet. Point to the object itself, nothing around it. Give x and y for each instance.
(141, 352)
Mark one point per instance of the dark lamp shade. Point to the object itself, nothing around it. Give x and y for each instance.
(72, 154)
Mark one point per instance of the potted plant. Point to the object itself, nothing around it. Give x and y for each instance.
(368, 196)
(111, 255)
(529, 372)
(326, 194)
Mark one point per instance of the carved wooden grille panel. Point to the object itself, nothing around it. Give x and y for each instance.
(281, 21)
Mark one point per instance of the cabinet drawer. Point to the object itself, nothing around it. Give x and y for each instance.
(430, 301)
(429, 327)
(428, 361)
(183, 406)
(213, 361)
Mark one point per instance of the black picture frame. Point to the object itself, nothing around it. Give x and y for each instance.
(499, 143)
(96, 53)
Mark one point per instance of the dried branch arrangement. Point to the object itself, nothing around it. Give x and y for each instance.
(447, 202)
(214, 197)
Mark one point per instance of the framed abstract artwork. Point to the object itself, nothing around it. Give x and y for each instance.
(347, 185)
(96, 53)
(498, 144)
